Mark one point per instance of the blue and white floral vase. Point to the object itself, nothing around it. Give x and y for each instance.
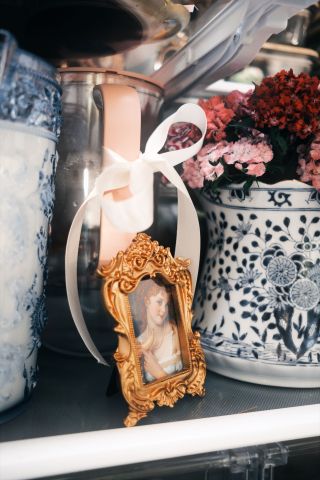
(29, 127)
(258, 301)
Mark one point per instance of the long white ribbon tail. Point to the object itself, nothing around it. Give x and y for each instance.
(188, 230)
(71, 261)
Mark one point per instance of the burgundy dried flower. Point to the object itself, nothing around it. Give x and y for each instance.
(288, 102)
(182, 135)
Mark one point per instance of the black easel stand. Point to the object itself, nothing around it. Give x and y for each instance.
(114, 382)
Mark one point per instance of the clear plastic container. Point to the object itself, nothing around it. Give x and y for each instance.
(80, 160)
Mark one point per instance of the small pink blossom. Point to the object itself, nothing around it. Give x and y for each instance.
(209, 159)
(192, 174)
(315, 148)
(213, 151)
(209, 171)
(303, 171)
(256, 169)
(244, 151)
(309, 163)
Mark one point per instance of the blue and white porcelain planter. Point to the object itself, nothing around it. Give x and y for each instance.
(258, 301)
(29, 124)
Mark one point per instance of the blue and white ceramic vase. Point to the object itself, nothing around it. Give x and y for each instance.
(258, 301)
(29, 127)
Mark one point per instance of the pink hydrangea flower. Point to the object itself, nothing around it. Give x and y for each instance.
(211, 172)
(309, 163)
(256, 169)
(245, 151)
(315, 148)
(213, 151)
(209, 159)
(192, 173)
(304, 171)
(247, 155)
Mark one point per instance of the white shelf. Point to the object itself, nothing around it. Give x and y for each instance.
(69, 418)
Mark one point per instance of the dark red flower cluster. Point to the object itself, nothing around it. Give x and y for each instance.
(182, 135)
(287, 101)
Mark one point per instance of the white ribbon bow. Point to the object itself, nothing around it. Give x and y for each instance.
(136, 213)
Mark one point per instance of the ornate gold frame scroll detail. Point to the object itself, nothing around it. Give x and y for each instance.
(146, 258)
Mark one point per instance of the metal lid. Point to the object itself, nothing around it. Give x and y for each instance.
(104, 72)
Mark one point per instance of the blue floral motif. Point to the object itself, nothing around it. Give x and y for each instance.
(219, 241)
(292, 286)
(42, 247)
(280, 296)
(279, 198)
(38, 320)
(46, 185)
(314, 197)
(239, 194)
(35, 305)
(248, 277)
(216, 334)
(306, 245)
(242, 229)
(314, 274)
(305, 294)
(224, 285)
(277, 297)
(33, 101)
(281, 271)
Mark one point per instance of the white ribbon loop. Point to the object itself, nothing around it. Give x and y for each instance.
(135, 213)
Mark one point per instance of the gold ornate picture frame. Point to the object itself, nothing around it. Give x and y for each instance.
(159, 357)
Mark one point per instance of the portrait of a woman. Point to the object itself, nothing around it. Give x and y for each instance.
(156, 330)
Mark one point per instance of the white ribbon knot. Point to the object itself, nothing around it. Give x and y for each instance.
(136, 212)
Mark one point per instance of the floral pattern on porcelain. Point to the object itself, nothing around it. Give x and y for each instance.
(26, 177)
(32, 101)
(29, 92)
(259, 295)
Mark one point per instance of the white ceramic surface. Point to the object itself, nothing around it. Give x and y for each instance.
(258, 301)
(27, 164)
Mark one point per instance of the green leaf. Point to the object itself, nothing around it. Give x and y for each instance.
(279, 141)
(248, 184)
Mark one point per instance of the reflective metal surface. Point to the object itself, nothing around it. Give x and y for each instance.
(65, 29)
